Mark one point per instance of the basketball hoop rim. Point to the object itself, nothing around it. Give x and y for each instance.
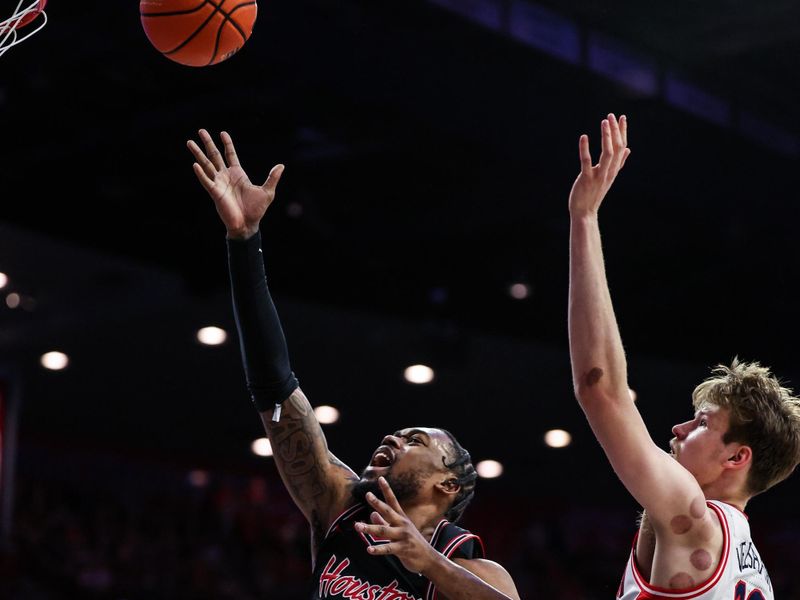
(10, 27)
(23, 16)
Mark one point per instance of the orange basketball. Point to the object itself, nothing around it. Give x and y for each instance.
(198, 33)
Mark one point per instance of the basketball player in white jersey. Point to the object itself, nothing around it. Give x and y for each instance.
(694, 537)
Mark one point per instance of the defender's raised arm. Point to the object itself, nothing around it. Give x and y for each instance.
(598, 360)
(668, 492)
(744, 436)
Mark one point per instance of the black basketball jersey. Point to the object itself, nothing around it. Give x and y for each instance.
(344, 569)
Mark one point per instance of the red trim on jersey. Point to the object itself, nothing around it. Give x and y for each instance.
(434, 538)
(736, 508)
(454, 544)
(438, 531)
(344, 514)
(660, 592)
(365, 538)
(373, 541)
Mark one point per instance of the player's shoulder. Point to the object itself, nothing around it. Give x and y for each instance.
(731, 518)
(456, 542)
(729, 510)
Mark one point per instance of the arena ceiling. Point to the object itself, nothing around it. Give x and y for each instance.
(430, 148)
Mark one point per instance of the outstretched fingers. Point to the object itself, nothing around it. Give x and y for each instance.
(618, 140)
(377, 519)
(383, 549)
(623, 128)
(616, 133)
(625, 156)
(388, 494)
(274, 177)
(211, 150)
(586, 156)
(388, 514)
(202, 159)
(204, 179)
(394, 532)
(607, 146)
(379, 528)
(230, 150)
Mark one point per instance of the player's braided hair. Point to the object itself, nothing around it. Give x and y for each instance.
(465, 477)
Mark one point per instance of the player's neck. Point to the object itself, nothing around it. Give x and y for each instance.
(727, 491)
(425, 518)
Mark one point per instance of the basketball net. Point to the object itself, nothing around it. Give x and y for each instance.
(26, 11)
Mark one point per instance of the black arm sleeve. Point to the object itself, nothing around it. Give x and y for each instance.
(265, 357)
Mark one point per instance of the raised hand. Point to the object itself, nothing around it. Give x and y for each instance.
(240, 204)
(593, 182)
(459, 579)
(391, 523)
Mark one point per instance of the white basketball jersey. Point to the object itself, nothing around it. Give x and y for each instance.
(740, 574)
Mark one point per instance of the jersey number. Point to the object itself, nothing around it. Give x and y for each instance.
(741, 593)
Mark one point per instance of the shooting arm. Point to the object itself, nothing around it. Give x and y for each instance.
(317, 480)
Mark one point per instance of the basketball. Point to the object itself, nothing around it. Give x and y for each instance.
(198, 33)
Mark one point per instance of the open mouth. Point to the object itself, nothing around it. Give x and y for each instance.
(383, 457)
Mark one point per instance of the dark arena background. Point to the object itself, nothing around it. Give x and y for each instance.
(430, 147)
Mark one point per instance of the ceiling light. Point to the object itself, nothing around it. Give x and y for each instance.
(212, 336)
(3, 280)
(489, 469)
(326, 414)
(13, 300)
(418, 374)
(198, 478)
(262, 447)
(557, 438)
(519, 291)
(55, 361)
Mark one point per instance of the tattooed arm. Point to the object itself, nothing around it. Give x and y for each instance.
(318, 482)
(672, 497)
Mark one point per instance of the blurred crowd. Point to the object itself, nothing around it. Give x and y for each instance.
(209, 535)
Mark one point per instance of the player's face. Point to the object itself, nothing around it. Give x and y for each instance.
(698, 444)
(417, 451)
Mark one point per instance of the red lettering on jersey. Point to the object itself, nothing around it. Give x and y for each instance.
(332, 582)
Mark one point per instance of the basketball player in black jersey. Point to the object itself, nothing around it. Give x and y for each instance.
(401, 547)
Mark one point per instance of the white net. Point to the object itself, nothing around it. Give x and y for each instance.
(16, 29)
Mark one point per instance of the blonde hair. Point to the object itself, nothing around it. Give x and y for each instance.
(763, 415)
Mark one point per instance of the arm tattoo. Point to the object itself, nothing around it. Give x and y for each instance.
(300, 450)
